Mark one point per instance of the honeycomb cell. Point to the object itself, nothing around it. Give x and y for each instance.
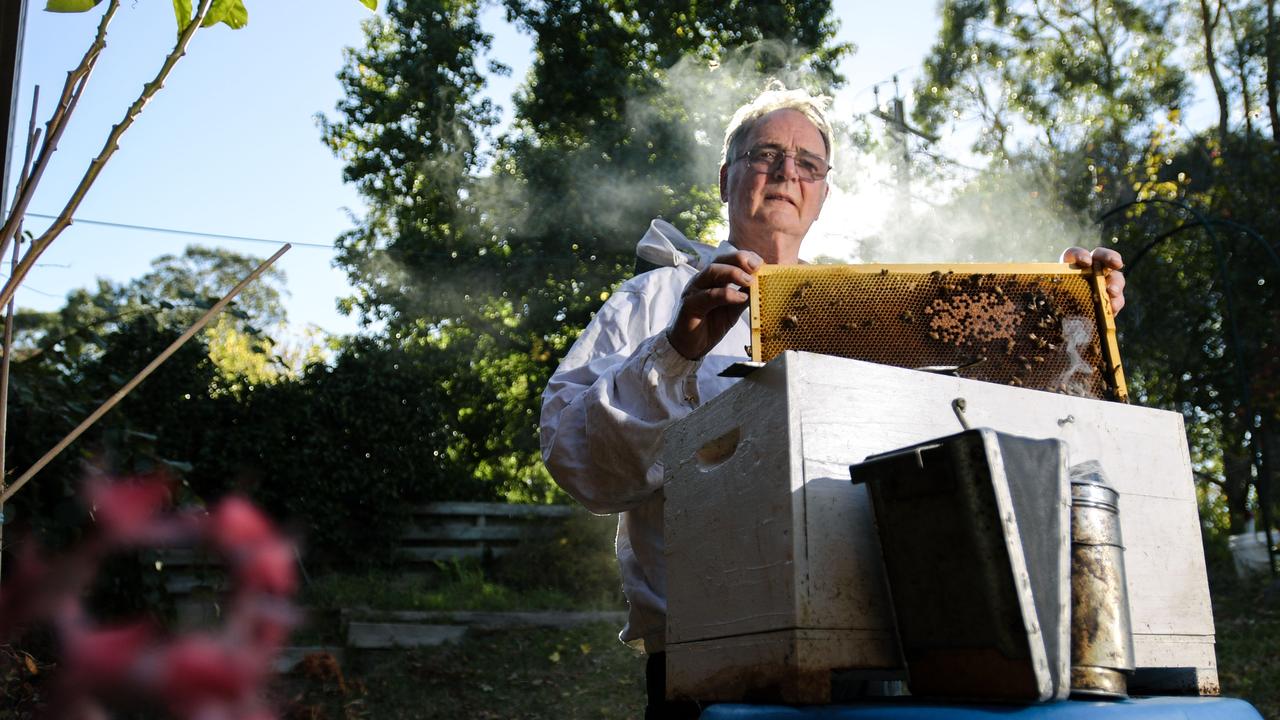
(1034, 326)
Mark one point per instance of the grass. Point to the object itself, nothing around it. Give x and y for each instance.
(458, 587)
(572, 674)
(1247, 622)
(587, 673)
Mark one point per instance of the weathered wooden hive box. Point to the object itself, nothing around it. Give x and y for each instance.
(774, 575)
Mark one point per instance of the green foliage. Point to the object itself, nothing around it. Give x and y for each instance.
(1087, 98)
(231, 13)
(1247, 626)
(182, 12)
(492, 254)
(70, 6)
(571, 568)
(577, 560)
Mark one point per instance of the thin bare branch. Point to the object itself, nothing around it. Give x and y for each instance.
(137, 379)
(71, 92)
(108, 149)
(33, 139)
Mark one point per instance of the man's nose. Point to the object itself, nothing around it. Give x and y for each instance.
(785, 168)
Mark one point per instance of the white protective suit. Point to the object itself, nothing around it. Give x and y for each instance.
(606, 406)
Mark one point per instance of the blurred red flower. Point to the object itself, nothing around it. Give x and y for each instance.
(123, 508)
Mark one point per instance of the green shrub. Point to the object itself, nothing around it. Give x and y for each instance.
(576, 559)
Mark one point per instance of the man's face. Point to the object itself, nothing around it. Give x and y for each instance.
(776, 201)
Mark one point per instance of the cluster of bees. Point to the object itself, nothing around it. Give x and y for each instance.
(1013, 324)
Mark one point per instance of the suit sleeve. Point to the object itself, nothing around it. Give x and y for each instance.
(606, 406)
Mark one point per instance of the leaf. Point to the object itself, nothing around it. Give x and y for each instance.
(554, 657)
(371, 4)
(70, 6)
(231, 13)
(31, 664)
(182, 11)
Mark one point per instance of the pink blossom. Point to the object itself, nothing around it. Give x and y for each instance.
(103, 658)
(124, 508)
(198, 669)
(268, 568)
(237, 525)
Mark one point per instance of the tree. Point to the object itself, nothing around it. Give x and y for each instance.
(492, 261)
(1088, 96)
(175, 293)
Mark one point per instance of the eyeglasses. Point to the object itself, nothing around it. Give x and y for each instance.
(765, 158)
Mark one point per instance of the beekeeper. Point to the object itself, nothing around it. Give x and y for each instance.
(655, 350)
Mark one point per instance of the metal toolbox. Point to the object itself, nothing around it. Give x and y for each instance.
(975, 533)
(774, 576)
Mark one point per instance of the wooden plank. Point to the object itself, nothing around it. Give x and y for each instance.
(469, 533)
(508, 510)
(487, 620)
(445, 554)
(382, 636)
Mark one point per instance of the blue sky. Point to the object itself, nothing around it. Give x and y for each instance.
(230, 145)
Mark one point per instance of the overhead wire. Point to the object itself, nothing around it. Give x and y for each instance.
(190, 233)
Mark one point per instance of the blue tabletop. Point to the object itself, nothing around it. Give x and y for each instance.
(1160, 708)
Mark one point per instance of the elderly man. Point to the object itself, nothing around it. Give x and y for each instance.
(655, 350)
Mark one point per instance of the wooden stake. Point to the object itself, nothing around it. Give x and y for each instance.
(33, 139)
(129, 386)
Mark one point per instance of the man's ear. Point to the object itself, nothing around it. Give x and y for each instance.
(724, 183)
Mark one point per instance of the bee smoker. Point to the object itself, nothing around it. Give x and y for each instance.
(1101, 631)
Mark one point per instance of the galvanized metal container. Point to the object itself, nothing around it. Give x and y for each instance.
(1101, 630)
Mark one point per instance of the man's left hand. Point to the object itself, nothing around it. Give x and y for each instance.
(1103, 258)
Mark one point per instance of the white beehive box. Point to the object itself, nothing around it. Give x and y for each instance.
(774, 576)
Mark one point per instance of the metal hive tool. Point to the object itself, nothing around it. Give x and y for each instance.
(1044, 326)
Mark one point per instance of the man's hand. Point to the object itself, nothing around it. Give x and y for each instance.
(1104, 258)
(712, 302)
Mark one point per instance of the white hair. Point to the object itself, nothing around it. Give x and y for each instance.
(776, 96)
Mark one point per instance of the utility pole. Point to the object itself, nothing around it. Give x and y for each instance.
(896, 120)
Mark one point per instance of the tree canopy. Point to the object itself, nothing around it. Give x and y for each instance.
(489, 253)
(1091, 95)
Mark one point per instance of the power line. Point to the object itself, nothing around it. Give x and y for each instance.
(542, 259)
(190, 233)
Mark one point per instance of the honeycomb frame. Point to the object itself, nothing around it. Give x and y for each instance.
(1045, 326)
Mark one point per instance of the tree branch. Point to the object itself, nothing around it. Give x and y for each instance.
(71, 91)
(108, 149)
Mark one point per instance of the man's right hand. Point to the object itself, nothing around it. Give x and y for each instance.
(712, 302)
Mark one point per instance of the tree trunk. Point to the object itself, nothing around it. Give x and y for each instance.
(1237, 471)
(1273, 73)
(1211, 60)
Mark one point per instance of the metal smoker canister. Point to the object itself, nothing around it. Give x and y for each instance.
(1101, 632)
